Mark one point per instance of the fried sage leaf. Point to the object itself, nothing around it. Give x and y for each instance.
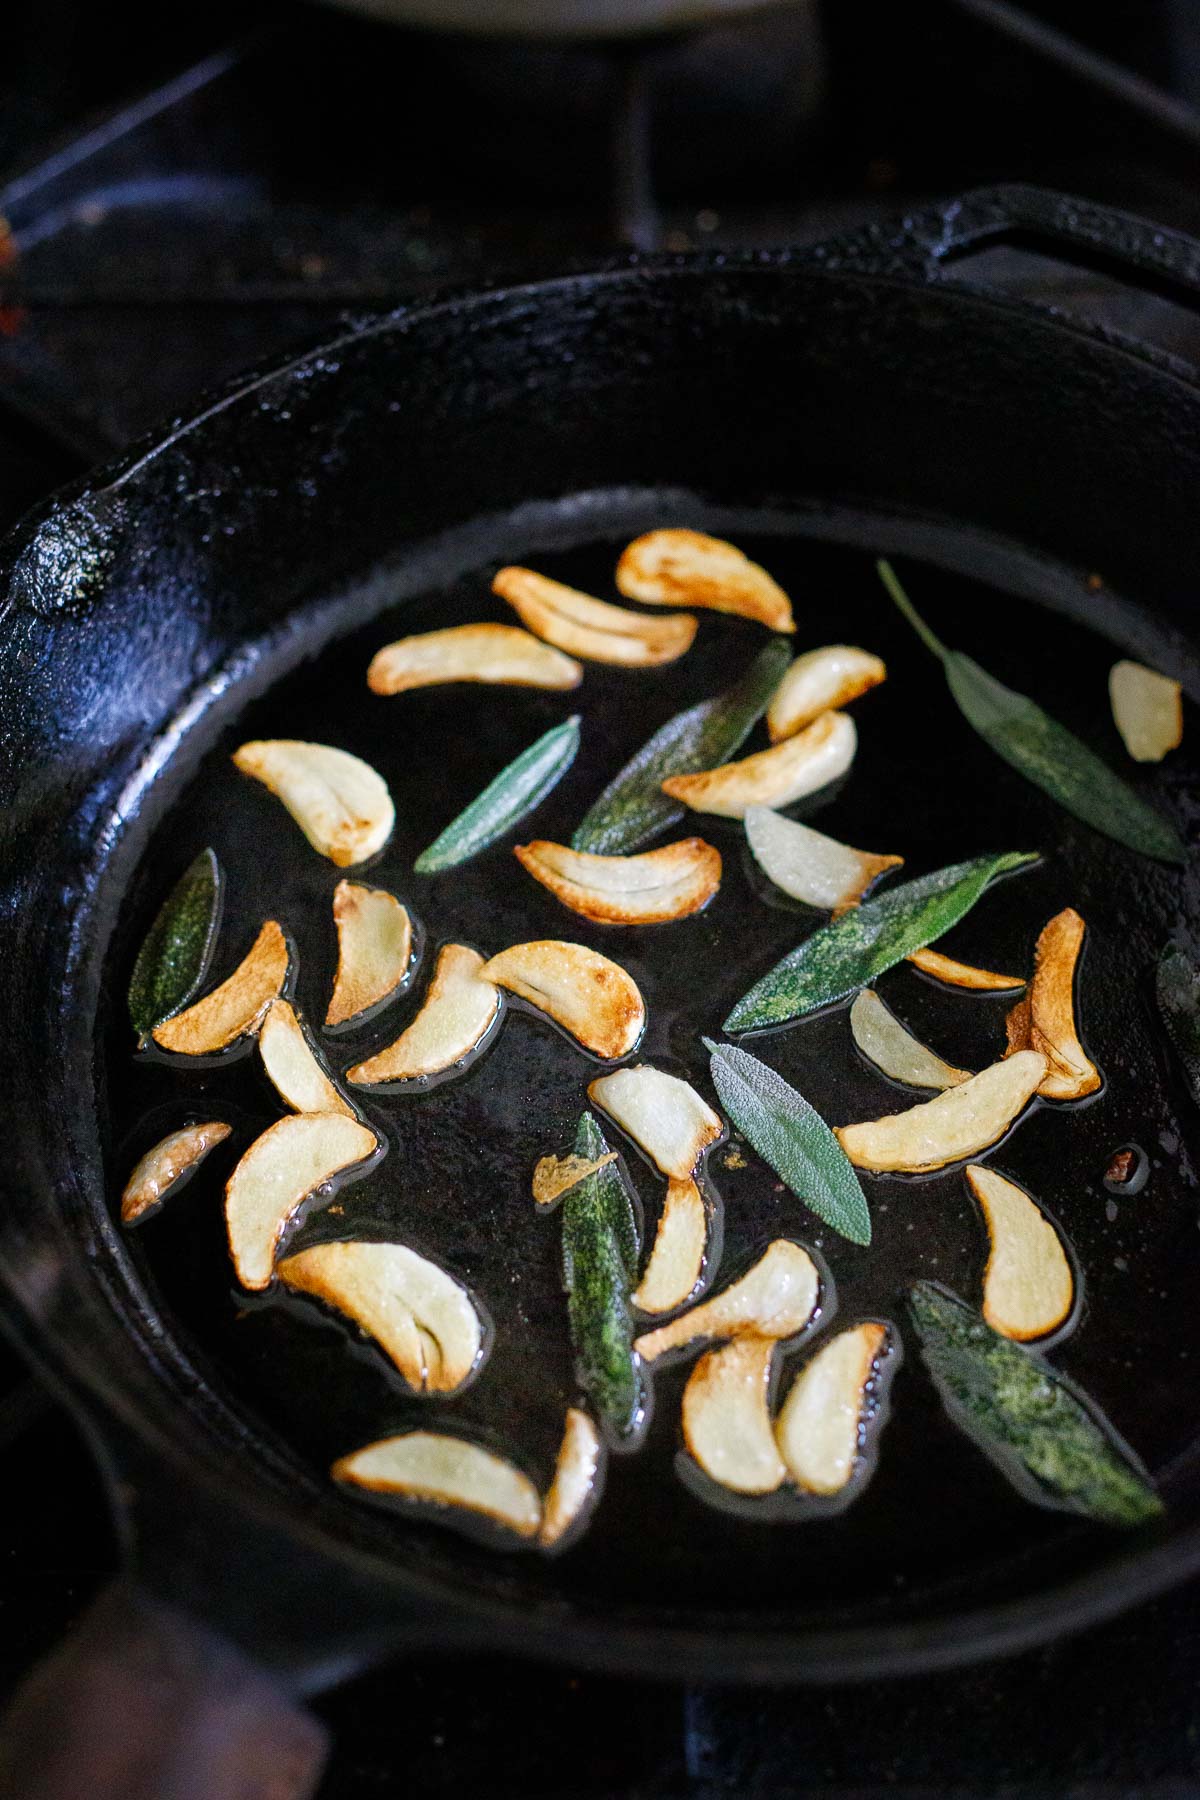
(1042, 750)
(1033, 1423)
(852, 950)
(633, 808)
(792, 1136)
(178, 947)
(600, 1250)
(505, 801)
(1177, 989)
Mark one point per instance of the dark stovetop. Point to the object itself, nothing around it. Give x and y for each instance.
(325, 168)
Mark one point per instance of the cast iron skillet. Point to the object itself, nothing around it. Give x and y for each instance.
(850, 395)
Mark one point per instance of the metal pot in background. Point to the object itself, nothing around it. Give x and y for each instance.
(557, 18)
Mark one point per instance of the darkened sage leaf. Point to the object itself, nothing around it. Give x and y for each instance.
(1033, 1423)
(600, 1258)
(850, 952)
(793, 1137)
(178, 947)
(1042, 750)
(633, 808)
(1177, 986)
(505, 801)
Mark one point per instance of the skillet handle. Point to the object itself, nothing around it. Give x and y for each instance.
(1079, 231)
(143, 1703)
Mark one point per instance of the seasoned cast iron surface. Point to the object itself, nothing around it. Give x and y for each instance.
(936, 1522)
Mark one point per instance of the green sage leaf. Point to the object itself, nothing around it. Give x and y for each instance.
(1042, 750)
(633, 808)
(178, 947)
(504, 802)
(601, 1247)
(1177, 989)
(850, 952)
(1041, 1432)
(792, 1136)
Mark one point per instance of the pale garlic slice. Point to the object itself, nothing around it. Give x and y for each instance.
(774, 1299)
(278, 1173)
(589, 995)
(295, 1070)
(447, 1472)
(237, 1006)
(727, 1418)
(166, 1165)
(501, 655)
(375, 943)
(786, 772)
(675, 567)
(950, 1127)
(660, 885)
(418, 1314)
(821, 681)
(809, 866)
(554, 1176)
(590, 628)
(892, 1048)
(340, 803)
(662, 1113)
(576, 1484)
(1071, 1073)
(676, 1262)
(1028, 1287)
(820, 1425)
(458, 1011)
(963, 975)
(1147, 710)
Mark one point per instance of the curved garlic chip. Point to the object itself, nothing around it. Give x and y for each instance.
(808, 865)
(179, 1154)
(555, 1176)
(774, 1299)
(660, 885)
(449, 1472)
(727, 1418)
(885, 1042)
(1071, 1073)
(821, 1423)
(279, 1171)
(576, 1483)
(688, 568)
(1018, 1027)
(417, 1313)
(950, 1127)
(592, 628)
(456, 1015)
(962, 975)
(1028, 1287)
(821, 681)
(339, 802)
(587, 994)
(800, 765)
(375, 939)
(662, 1113)
(502, 655)
(237, 1006)
(1147, 710)
(293, 1065)
(676, 1263)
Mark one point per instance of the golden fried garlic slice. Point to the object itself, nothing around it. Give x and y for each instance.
(1028, 1287)
(1147, 710)
(448, 1472)
(458, 1011)
(676, 1263)
(820, 1424)
(237, 1006)
(340, 803)
(591, 628)
(798, 766)
(575, 1487)
(375, 940)
(888, 1044)
(1071, 1073)
(950, 1127)
(164, 1166)
(660, 885)
(688, 568)
(587, 994)
(774, 1299)
(293, 1066)
(821, 681)
(809, 866)
(963, 975)
(663, 1114)
(278, 1173)
(727, 1418)
(501, 655)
